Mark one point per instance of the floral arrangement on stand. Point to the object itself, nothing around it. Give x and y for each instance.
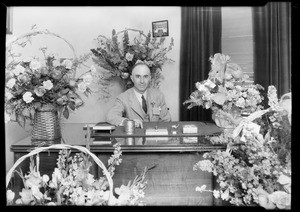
(72, 184)
(50, 81)
(226, 92)
(117, 58)
(255, 168)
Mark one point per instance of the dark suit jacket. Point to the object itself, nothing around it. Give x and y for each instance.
(128, 106)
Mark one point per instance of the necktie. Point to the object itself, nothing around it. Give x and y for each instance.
(144, 105)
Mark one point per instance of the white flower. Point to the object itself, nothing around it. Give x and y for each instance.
(48, 85)
(129, 56)
(10, 195)
(210, 84)
(18, 70)
(82, 87)
(56, 63)
(281, 199)
(27, 97)
(216, 194)
(225, 195)
(45, 178)
(283, 179)
(10, 83)
(201, 189)
(8, 95)
(201, 87)
(34, 65)
(67, 63)
(240, 102)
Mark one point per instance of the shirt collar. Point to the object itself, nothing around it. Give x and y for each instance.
(139, 96)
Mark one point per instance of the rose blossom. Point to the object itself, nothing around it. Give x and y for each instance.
(23, 78)
(11, 83)
(34, 65)
(48, 84)
(283, 179)
(27, 97)
(281, 199)
(8, 95)
(40, 91)
(18, 70)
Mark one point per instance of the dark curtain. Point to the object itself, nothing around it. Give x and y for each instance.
(200, 38)
(272, 46)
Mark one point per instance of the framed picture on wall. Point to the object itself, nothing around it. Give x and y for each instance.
(160, 28)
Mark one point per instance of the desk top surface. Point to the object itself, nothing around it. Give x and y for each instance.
(74, 134)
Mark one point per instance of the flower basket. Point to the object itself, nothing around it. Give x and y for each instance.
(46, 126)
(41, 89)
(65, 146)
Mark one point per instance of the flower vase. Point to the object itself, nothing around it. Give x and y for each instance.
(46, 126)
(226, 120)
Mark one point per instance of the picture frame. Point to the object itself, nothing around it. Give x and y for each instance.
(160, 28)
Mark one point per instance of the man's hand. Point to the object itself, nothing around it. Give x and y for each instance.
(138, 123)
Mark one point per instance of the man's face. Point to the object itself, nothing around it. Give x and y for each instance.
(141, 78)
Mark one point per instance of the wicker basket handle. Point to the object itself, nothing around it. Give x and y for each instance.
(46, 32)
(63, 146)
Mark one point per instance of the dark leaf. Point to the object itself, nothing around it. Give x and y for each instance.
(66, 113)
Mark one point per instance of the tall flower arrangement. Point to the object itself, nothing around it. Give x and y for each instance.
(71, 183)
(34, 82)
(117, 58)
(255, 169)
(226, 91)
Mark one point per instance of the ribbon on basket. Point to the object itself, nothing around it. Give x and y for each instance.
(247, 120)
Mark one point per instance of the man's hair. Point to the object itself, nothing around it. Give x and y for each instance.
(139, 64)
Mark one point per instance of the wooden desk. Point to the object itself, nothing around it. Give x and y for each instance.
(171, 182)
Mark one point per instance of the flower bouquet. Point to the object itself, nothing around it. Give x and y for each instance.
(117, 58)
(255, 169)
(71, 183)
(226, 92)
(49, 82)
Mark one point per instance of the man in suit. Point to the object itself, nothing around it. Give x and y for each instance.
(139, 103)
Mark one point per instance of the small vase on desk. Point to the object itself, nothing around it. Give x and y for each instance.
(46, 126)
